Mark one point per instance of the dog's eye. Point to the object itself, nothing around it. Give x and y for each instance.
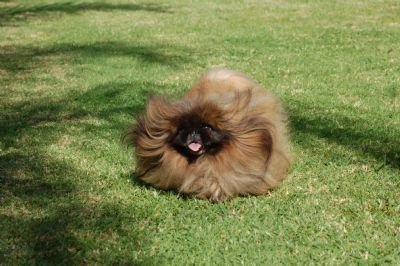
(207, 127)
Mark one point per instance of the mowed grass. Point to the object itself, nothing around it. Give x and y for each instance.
(75, 74)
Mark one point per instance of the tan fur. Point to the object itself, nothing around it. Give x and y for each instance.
(256, 158)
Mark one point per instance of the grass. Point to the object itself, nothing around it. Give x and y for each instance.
(75, 74)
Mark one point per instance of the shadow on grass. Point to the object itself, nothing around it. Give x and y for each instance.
(354, 134)
(47, 217)
(28, 181)
(137, 182)
(106, 102)
(20, 13)
(15, 59)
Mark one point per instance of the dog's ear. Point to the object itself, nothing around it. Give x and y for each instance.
(156, 104)
(159, 109)
(148, 122)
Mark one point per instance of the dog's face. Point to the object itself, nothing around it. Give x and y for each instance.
(194, 137)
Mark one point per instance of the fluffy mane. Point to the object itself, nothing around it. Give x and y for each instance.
(253, 160)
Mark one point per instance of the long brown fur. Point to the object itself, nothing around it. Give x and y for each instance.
(254, 160)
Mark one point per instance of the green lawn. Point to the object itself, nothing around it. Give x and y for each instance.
(75, 74)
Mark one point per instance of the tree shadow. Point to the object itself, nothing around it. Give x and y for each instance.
(105, 102)
(14, 14)
(24, 190)
(21, 176)
(33, 183)
(48, 219)
(355, 134)
(24, 58)
(67, 236)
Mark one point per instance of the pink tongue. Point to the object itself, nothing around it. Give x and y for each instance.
(194, 146)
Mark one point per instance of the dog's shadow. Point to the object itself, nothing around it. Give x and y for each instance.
(137, 182)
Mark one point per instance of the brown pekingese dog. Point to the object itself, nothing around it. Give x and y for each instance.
(226, 137)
